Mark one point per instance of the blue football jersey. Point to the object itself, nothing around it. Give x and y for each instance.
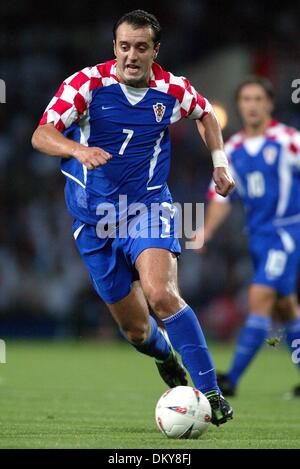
(266, 170)
(93, 108)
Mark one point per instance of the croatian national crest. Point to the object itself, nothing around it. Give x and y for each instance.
(270, 153)
(159, 111)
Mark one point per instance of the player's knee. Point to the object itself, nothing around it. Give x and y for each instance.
(286, 308)
(163, 301)
(137, 334)
(261, 300)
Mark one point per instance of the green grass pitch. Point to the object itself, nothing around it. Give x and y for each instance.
(88, 395)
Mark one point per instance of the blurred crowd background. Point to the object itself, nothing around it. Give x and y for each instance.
(44, 288)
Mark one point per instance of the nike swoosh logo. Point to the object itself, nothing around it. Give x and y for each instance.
(205, 372)
(107, 107)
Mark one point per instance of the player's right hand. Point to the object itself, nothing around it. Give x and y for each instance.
(92, 157)
(223, 180)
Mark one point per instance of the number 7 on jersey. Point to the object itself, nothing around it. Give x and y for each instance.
(126, 141)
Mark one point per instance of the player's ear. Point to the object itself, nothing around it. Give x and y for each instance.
(156, 50)
(114, 43)
(270, 106)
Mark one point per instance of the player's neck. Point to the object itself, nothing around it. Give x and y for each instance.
(256, 130)
(143, 83)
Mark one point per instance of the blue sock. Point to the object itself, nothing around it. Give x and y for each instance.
(187, 338)
(155, 345)
(292, 332)
(250, 340)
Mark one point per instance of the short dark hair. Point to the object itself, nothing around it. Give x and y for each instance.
(140, 19)
(257, 80)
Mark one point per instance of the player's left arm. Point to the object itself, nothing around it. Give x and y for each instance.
(195, 106)
(210, 131)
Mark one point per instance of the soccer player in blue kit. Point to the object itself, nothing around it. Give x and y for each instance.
(265, 162)
(109, 124)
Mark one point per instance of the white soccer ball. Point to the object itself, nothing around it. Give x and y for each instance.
(183, 412)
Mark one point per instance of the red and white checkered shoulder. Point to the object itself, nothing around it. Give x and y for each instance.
(288, 137)
(233, 143)
(190, 103)
(74, 95)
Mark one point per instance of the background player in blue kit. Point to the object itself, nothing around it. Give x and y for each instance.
(109, 123)
(265, 162)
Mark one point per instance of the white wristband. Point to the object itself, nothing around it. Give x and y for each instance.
(219, 159)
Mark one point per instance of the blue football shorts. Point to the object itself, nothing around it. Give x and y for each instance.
(276, 259)
(110, 259)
